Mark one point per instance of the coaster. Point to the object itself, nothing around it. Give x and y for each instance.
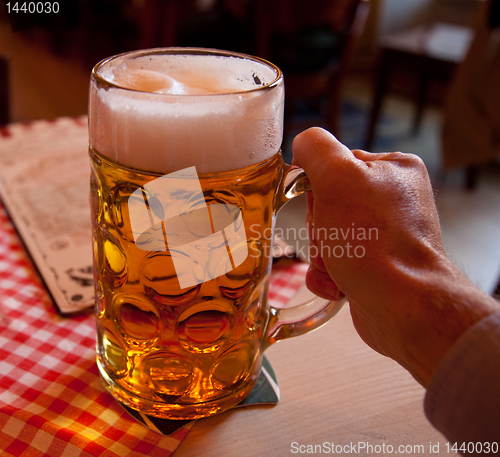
(265, 392)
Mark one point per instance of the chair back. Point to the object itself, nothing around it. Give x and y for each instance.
(471, 124)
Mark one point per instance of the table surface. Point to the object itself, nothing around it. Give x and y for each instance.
(335, 391)
(439, 40)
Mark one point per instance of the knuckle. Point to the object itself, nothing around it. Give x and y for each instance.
(408, 161)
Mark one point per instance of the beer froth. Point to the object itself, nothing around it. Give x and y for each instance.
(171, 112)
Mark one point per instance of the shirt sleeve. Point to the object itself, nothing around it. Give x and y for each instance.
(463, 397)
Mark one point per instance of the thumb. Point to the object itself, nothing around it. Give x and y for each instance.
(316, 148)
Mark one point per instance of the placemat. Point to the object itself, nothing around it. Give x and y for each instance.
(52, 401)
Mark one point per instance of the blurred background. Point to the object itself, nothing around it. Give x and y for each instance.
(382, 75)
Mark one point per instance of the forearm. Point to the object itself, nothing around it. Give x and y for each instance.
(424, 312)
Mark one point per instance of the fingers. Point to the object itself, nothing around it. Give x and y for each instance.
(320, 284)
(367, 157)
(315, 145)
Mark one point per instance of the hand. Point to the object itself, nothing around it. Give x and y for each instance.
(375, 237)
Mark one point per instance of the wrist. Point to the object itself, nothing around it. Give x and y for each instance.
(438, 307)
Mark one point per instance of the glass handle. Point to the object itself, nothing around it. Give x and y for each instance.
(295, 183)
(313, 313)
(300, 319)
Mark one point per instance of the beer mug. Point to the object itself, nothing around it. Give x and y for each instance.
(186, 180)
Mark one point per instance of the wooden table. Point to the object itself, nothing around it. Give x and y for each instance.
(334, 389)
(430, 51)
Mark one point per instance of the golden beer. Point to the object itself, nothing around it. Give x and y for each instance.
(186, 181)
(170, 351)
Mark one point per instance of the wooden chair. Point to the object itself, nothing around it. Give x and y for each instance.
(423, 54)
(313, 43)
(4, 90)
(471, 122)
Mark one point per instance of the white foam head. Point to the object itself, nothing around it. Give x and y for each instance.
(162, 111)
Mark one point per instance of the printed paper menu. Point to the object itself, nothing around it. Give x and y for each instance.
(44, 185)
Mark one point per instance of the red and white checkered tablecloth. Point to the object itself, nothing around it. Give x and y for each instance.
(52, 402)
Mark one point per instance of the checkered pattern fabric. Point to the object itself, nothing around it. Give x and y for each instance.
(286, 280)
(52, 402)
